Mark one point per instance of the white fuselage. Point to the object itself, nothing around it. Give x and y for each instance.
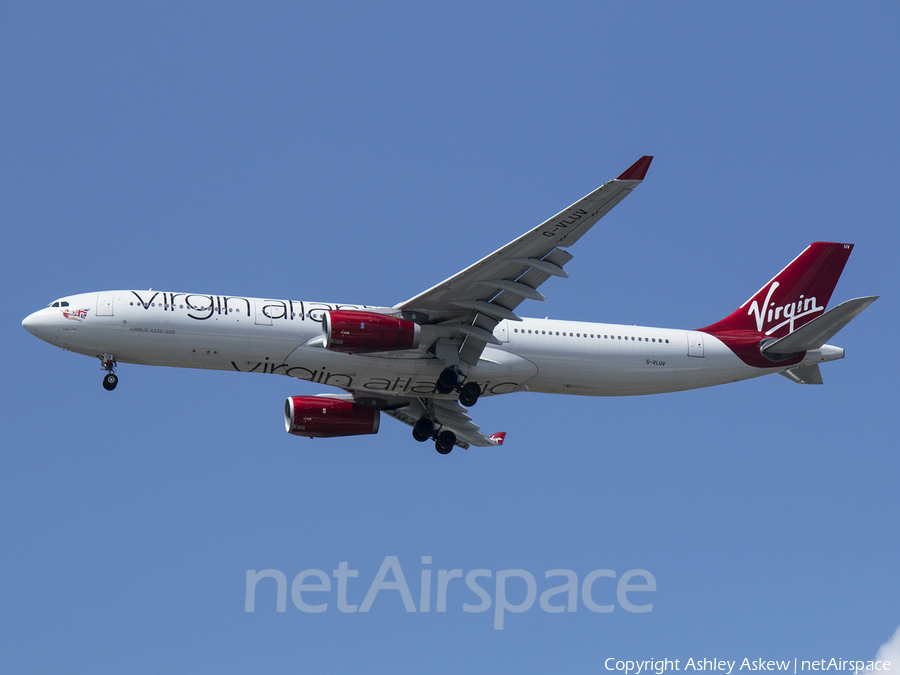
(285, 337)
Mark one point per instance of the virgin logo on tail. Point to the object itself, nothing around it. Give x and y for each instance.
(789, 313)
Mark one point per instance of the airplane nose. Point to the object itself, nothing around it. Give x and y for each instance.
(30, 323)
(36, 324)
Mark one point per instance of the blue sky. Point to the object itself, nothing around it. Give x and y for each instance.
(361, 154)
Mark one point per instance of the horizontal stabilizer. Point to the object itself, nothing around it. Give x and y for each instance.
(818, 331)
(803, 374)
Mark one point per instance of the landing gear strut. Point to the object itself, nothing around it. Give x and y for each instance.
(108, 363)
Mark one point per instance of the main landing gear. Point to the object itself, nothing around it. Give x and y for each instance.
(448, 381)
(443, 442)
(469, 393)
(110, 380)
(423, 429)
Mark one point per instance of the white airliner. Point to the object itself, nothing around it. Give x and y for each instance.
(426, 360)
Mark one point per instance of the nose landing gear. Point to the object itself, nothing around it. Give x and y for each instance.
(110, 380)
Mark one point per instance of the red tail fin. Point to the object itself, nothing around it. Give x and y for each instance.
(797, 294)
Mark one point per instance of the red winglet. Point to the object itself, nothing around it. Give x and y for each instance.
(498, 438)
(638, 170)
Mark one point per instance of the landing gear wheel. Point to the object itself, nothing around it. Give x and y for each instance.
(110, 381)
(468, 395)
(445, 441)
(447, 380)
(423, 429)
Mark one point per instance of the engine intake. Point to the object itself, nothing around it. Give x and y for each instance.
(323, 417)
(351, 331)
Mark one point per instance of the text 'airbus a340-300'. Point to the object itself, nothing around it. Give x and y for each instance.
(428, 359)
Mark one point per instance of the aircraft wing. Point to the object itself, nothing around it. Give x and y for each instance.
(478, 298)
(447, 414)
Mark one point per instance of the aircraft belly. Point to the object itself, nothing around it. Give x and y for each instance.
(497, 372)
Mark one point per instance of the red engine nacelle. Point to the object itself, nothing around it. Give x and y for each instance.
(323, 417)
(358, 332)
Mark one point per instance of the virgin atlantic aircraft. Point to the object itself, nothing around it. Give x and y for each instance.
(425, 360)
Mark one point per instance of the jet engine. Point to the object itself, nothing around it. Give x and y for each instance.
(324, 417)
(360, 332)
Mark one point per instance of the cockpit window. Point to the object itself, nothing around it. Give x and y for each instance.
(55, 304)
(64, 304)
(59, 303)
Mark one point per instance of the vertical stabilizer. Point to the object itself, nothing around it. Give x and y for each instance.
(797, 294)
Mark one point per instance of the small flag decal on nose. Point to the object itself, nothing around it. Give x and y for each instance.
(75, 314)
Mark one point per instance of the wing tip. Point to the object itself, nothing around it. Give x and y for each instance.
(497, 438)
(638, 170)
